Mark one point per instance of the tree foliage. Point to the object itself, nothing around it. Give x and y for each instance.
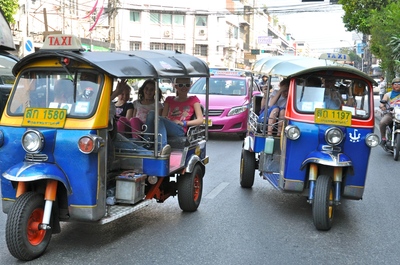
(358, 12)
(385, 28)
(9, 8)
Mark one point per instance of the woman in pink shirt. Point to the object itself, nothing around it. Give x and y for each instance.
(177, 113)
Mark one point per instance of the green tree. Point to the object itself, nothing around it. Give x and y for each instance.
(9, 8)
(358, 12)
(385, 28)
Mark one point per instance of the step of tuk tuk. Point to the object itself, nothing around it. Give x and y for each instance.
(273, 178)
(115, 212)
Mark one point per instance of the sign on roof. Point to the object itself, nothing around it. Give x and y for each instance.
(62, 42)
(335, 56)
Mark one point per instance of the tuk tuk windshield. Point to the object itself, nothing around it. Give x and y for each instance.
(77, 92)
(333, 93)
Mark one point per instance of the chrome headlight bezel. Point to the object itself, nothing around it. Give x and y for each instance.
(372, 140)
(292, 132)
(334, 136)
(237, 110)
(32, 141)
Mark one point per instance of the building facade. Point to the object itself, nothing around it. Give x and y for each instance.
(224, 33)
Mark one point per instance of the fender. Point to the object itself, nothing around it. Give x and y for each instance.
(192, 162)
(248, 143)
(28, 171)
(328, 159)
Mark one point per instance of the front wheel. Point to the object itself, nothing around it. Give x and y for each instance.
(25, 240)
(396, 147)
(190, 188)
(247, 168)
(323, 206)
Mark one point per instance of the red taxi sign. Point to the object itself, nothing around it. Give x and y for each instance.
(62, 42)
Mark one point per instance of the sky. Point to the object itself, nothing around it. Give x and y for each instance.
(324, 30)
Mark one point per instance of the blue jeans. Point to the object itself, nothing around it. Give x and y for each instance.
(165, 127)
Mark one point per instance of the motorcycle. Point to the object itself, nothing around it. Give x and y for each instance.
(392, 131)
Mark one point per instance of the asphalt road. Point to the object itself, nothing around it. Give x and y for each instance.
(240, 226)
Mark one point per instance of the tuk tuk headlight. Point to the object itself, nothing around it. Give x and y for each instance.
(334, 136)
(372, 140)
(32, 141)
(292, 132)
(237, 110)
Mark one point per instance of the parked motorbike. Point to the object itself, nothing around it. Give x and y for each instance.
(392, 131)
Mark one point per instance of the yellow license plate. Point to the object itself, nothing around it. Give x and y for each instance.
(334, 117)
(42, 117)
(209, 122)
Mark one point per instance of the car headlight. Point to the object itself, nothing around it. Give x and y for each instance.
(32, 141)
(237, 110)
(292, 132)
(372, 140)
(333, 136)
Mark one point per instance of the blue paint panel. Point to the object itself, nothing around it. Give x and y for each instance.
(259, 144)
(156, 167)
(61, 146)
(311, 139)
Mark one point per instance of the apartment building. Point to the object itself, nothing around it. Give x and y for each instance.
(225, 33)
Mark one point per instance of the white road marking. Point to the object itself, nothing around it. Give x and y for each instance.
(217, 190)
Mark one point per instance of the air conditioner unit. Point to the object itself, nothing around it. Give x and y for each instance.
(167, 33)
(202, 32)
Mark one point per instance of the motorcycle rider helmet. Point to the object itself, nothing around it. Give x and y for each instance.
(396, 80)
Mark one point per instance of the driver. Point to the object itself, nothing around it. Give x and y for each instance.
(392, 98)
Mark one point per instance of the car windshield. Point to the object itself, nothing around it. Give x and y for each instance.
(221, 86)
(333, 93)
(77, 92)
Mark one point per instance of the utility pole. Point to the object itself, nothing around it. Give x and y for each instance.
(112, 6)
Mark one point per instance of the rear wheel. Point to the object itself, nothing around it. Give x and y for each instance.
(323, 207)
(25, 240)
(190, 188)
(396, 147)
(247, 168)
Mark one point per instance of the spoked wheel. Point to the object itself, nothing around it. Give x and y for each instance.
(396, 147)
(323, 206)
(190, 188)
(24, 240)
(247, 168)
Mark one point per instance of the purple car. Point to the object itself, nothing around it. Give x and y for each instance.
(228, 100)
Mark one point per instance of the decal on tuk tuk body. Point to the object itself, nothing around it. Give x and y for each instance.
(43, 117)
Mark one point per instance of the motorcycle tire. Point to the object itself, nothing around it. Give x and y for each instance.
(396, 147)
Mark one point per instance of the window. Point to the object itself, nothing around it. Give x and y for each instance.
(201, 21)
(134, 16)
(155, 18)
(155, 46)
(167, 46)
(180, 47)
(179, 20)
(57, 89)
(201, 50)
(135, 45)
(167, 19)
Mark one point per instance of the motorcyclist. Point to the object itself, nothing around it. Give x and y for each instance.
(393, 98)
